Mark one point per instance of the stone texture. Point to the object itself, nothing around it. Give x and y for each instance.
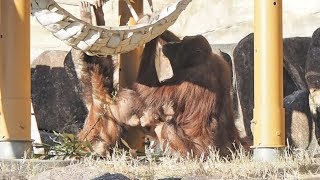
(47, 137)
(313, 73)
(301, 129)
(56, 101)
(295, 54)
(295, 51)
(202, 177)
(313, 61)
(243, 63)
(109, 176)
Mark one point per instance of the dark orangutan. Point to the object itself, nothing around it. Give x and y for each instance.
(200, 95)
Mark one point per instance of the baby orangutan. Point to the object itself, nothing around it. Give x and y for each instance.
(151, 117)
(109, 117)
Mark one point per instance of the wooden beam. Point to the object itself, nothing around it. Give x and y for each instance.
(129, 66)
(69, 2)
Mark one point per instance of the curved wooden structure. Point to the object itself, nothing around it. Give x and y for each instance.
(102, 41)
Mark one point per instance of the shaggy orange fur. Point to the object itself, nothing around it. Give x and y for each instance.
(200, 92)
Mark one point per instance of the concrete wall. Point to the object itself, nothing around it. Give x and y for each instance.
(227, 21)
(221, 21)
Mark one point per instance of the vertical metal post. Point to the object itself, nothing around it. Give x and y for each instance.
(129, 66)
(268, 118)
(15, 124)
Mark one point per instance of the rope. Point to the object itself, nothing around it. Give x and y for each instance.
(70, 2)
(103, 41)
(133, 12)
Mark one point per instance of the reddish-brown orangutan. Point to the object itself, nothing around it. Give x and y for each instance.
(200, 93)
(191, 111)
(108, 116)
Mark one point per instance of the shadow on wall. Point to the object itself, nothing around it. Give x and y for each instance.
(55, 94)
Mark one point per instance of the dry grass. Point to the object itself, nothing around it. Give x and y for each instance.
(241, 166)
(297, 165)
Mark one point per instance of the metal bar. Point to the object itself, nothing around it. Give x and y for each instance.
(268, 120)
(133, 12)
(15, 124)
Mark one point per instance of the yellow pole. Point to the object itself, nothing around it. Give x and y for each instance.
(268, 118)
(129, 66)
(15, 124)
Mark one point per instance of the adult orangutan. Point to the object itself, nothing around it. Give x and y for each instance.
(199, 92)
(109, 113)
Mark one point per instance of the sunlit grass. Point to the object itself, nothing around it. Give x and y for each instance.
(293, 165)
(299, 164)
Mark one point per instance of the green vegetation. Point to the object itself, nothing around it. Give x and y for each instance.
(66, 146)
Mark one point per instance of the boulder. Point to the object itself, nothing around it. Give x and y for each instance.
(48, 137)
(301, 129)
(55, 95)
(313, 73)
(243, 66)
(225, 50)
(295, 51)
(295, 54)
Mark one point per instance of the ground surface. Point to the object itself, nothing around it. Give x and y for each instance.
(120, 166)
